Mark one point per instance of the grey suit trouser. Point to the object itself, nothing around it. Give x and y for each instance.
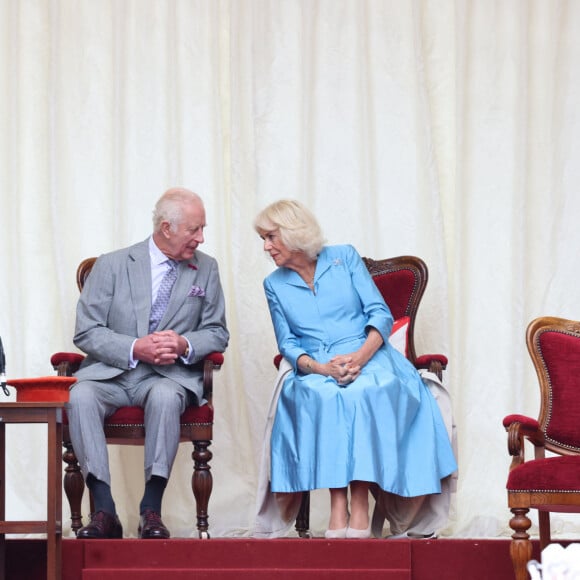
(91, 402)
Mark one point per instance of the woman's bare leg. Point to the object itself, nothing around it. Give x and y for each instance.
(338, 508)
(359, 505)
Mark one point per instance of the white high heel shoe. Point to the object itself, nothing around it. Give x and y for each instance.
(412, 536)
(339, 533)
(355, 534)
(335, 534)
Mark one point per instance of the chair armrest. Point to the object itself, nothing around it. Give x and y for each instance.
(213, 361)
(434, 363)
(66, 363)
(217, 358)
(519, 428)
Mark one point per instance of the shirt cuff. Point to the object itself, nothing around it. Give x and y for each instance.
(132, 362)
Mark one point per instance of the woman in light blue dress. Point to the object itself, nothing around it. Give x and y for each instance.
(353, 410)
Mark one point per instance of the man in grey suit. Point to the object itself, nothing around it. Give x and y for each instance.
(145, 315)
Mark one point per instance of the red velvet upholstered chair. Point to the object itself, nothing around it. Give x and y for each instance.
(126, 427)
(402, 282)
(546, 483)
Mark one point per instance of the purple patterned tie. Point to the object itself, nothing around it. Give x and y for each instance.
(162, 300)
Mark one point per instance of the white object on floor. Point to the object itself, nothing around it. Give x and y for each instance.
(558, 563)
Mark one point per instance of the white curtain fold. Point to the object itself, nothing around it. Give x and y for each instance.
(447, 129)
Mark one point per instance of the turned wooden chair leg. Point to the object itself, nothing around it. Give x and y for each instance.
(303, 517)
(74, 486)
(202, 484)
(521, 546)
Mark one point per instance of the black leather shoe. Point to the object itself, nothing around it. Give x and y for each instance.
(151, 527)
(102, 526)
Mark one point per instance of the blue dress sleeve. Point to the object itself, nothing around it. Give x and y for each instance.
(376, 311)
(288, 344)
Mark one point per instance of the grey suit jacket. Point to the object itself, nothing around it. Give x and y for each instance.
(115, 304)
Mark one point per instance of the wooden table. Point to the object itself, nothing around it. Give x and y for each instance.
(51, 414)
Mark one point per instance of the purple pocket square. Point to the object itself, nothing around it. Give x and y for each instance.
(196, 291)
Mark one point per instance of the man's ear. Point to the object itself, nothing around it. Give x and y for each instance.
(166, 229)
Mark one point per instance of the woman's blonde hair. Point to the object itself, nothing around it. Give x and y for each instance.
(297, 225)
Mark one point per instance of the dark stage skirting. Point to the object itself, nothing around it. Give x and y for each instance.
(284, 559)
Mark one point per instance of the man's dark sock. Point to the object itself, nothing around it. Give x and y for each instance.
(102, 497)
(153, 495)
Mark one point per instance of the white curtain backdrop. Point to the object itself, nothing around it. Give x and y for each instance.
(447, 129)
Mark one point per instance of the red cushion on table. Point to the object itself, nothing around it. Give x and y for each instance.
(42, 389)
(549, 474)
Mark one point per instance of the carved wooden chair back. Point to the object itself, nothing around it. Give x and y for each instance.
(546, 482)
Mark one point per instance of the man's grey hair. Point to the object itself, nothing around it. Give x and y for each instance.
(169, 207)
